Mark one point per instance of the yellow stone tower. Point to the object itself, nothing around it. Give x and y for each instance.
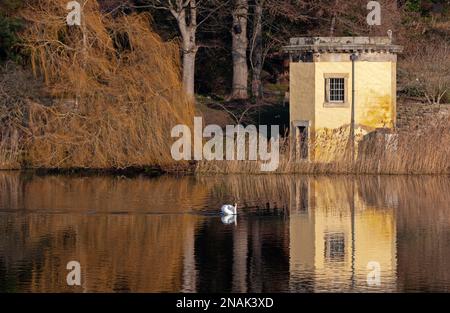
(337, 82)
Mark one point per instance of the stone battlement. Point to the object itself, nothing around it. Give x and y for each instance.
(342, 44)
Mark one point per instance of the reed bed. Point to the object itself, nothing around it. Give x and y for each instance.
(9, 153)
(417, 149)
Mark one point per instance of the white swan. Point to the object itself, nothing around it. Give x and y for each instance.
(228, 209)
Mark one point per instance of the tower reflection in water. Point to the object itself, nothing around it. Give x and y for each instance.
(336, 226)
(317, 234)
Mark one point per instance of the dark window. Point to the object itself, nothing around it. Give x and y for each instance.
(334, 247)
(335, 90)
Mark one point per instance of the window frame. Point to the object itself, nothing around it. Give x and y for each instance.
(335, 104)
(334, 247)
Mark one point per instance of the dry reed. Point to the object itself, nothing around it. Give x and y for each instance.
(421, 149)
(9, 152)
(115, 87)
(12, 115)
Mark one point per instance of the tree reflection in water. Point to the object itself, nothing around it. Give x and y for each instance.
(164, 234)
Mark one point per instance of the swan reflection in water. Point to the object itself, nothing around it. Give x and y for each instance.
(229, 219)
(229, 214)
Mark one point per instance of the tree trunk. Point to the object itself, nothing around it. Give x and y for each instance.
(186, 17)
(333, 25)
(333, 19)
(189, 54)
(257, 51)
(239, 50)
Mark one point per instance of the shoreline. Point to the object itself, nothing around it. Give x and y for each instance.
(153, 172)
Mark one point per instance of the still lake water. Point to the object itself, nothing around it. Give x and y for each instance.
(293, 234)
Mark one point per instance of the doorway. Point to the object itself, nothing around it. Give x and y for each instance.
(302, 142)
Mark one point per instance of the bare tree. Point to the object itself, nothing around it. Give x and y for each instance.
(338, 18)
(186, 13)
(428, 71)
(273, 22)
(239, 49)
(256, 55)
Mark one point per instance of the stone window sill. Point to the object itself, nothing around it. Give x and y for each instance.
(335, 105)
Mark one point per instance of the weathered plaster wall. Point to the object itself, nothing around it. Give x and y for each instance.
(374, 92)
(327, 117)
(374, 102)
(302, 85)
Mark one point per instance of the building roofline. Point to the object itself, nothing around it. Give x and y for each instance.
(342, 44)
